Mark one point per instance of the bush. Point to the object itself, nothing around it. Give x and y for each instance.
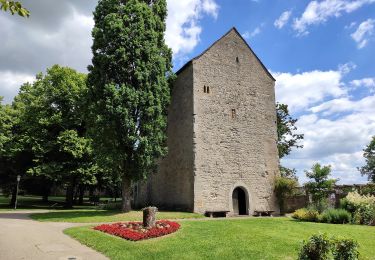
(345, 249)
(316, 248)
(320, 247)
(362, 207)
(355, 200)
(365, 215)
(305, 214)
(335, 216)
(284, 187)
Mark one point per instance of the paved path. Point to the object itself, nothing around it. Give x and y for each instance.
(23, 238)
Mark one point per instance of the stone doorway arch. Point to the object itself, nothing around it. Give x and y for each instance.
(240, 201)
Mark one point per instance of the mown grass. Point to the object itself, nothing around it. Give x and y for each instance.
(254, 238)
(94, 216)
(32, 202)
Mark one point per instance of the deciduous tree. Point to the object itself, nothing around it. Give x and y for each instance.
(369, 154)
(320, 185)
(286, 131)
(52, 125)
(14, 7)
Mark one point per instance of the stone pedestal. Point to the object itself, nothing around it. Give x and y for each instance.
(149, 217)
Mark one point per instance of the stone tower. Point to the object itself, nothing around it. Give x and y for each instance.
(222, 137)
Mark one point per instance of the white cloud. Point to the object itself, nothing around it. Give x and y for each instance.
(336, 141)
(305, 89)
(344, 104)
(366, 82)
(336, 126)
(363, 32)
(351, 25)
(183, 29)
(59, 32)
(283, 19)
(248, 35)
(319, 12)
(10, 83)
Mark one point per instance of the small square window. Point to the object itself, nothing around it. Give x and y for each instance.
(234, 115)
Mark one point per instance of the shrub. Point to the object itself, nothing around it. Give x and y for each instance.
(320, 247)
(362, 207)
(305, 214)
(365, 215)
(284, 187)
(345, 204)
(335, 216)
(345, 249)
(316, 248)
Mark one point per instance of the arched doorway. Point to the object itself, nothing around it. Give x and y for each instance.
(239, 200)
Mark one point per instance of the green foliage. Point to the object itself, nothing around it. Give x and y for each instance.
(317, 247)
(362, 207)
(288, 173)
(368, 189)
(320, 247)
(52, 128)
(364, 215)
(335, 216)
(369, 154)
(284, 187)
(14, 7)
(305, 214)
(15, 158)
(345, 249)
(320, 185)
(286, 131)
(129, 89)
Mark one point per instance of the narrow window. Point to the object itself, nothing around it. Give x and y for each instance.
(204, 89)
(208, 89)
(237, 60)
(233, 113)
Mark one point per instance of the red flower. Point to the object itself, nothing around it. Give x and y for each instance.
(135, 231)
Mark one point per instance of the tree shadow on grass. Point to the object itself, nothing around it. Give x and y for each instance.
(67, 215)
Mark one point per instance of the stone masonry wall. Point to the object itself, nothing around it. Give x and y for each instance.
(172, 186)
(235, 128)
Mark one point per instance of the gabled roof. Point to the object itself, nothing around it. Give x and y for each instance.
(235, 30)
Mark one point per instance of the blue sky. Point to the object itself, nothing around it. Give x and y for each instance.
(321, 53)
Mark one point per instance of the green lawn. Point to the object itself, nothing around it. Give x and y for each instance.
(254, 238)
(92, 216)
(35, 202)
(31, 202)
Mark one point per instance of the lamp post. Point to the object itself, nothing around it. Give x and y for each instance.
(18, 183)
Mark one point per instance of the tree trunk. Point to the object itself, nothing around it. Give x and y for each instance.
(70, 195)
(149, 217)
(81, 194)
(126, 194)
(13, 198)
(46, 189)
(45, 197)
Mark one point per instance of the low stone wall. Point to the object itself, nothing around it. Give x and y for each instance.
(295, 202)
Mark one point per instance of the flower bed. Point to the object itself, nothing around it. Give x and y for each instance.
(135, 231)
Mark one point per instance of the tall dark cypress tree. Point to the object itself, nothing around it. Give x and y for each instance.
(129, 88)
